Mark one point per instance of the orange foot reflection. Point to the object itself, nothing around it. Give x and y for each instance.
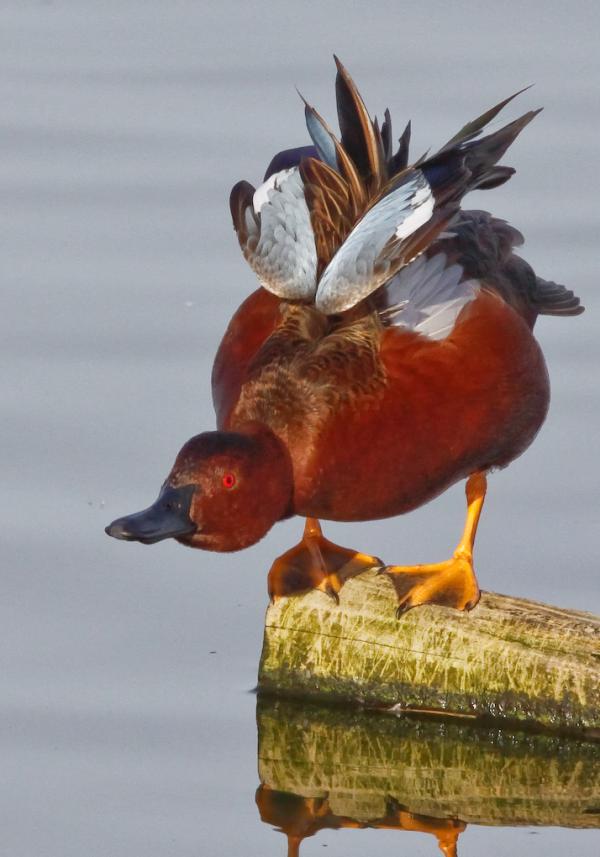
(300, 817)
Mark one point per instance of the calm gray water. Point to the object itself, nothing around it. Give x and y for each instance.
(126, 722)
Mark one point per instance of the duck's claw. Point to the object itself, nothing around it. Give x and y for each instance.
(451, 584)
(316, 563)
(331, 585)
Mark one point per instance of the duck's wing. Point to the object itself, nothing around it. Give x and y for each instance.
(405, 212)
(275, 233)
(347, 215)
(475, 253)
(427, 295)
(394, 231)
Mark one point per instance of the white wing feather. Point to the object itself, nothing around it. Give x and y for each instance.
(426, 296)
(359, 267)
(281, 243)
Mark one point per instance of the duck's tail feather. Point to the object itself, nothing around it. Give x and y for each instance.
(553, 299)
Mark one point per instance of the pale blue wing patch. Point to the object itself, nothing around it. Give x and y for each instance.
(321, 137)
(426, 296)
(366, 258)
(280, 246)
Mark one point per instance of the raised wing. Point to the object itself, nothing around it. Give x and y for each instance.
(275, 233)
(378, 245)
(346, 215)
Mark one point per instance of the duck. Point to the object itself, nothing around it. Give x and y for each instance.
(387, 354)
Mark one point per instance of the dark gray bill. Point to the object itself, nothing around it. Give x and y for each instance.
(168, 517)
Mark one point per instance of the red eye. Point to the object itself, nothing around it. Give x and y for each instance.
(229, 480)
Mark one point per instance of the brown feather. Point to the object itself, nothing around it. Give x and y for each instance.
(400, 159)
(352, 176)
(358, 134)
(240, 199)
(482, 155)
(345, 163)
(333, 209)
(471, 129)
(386, 135)
(381, 146)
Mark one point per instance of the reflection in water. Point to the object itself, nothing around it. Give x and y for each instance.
(329, 768)
(299, 817)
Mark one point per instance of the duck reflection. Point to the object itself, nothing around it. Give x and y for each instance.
(299, 817)
(329, 768)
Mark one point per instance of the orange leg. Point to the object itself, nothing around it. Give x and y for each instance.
(446, 830)
(451, 583)
(316, 563)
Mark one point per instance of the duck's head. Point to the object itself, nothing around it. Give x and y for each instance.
(224, 493)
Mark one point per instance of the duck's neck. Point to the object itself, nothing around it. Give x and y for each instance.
(275, 477)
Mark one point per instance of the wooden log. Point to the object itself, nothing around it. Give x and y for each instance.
(353, 768)
(509, 660)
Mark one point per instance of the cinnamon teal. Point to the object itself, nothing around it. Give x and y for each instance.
(387, 354)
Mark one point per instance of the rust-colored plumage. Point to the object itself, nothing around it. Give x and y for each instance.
(389, 354)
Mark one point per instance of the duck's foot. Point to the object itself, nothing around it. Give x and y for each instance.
(446, 830)
(316, 563)
(451, 584)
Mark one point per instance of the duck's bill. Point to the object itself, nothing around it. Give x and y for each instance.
(167, 518)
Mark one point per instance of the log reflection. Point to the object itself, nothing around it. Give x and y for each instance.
(328, 768)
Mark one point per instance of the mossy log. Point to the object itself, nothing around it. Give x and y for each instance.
(351, 768)
(509, 660)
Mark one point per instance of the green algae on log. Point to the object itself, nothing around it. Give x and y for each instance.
(509, 660)
(367, 767)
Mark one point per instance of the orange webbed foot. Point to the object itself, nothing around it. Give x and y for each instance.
(316, 563)
(451, 583)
